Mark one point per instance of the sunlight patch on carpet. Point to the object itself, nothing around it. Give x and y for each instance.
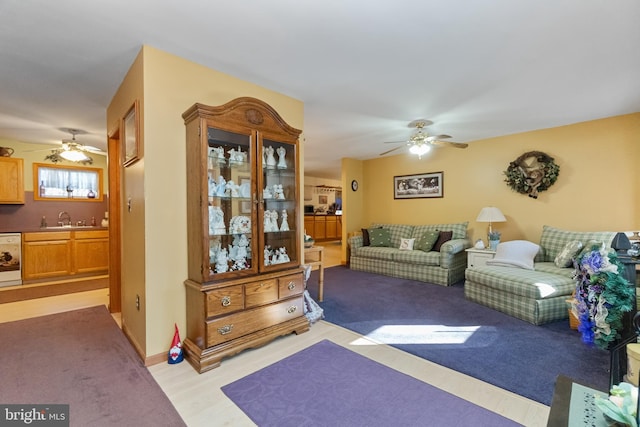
(423, 334)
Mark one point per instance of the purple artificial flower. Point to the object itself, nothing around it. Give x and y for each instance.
(592, 261)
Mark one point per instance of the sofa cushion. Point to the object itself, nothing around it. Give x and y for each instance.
(443, 237)
(553, 240)
(406, 244)
(397, 232)
(417, 257)
(459, 229)
(515, 253)
(426, 241)
(568, 253)
(520, 282)
(375, 253)
(379, 237)
(551, 267)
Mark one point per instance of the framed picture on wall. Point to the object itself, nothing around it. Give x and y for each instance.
(424, 185)
(130, 135)
(323, 200)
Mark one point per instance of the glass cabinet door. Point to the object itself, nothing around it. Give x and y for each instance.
(230, 196)
(278, 210)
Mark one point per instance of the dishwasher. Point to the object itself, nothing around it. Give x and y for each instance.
(10, 252)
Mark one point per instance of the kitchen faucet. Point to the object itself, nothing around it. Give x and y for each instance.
(64, 218)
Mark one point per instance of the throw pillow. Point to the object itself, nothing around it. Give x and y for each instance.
(365, 236)
(379, 237)
(406, 244)
(444, 236)
(566, 255)
(590, 246)
(515, 253)
(426, 241)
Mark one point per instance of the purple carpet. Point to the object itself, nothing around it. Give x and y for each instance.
(439, 324)
(81, 358)
(326, 384)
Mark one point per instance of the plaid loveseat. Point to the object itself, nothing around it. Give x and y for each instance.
(537, 296)
(443, 268)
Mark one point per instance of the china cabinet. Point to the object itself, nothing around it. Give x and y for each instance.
(245, 284)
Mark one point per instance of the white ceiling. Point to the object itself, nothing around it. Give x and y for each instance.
(364, 69)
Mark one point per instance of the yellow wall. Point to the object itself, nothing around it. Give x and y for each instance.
(133, 247)
(170, 86)
(597, 188)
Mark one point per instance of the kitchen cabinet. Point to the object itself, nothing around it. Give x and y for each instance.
(11, 181)
(91, 251)
(324, 227)
(51, 254)
(245, 283)
(46, 254)
(309, 223)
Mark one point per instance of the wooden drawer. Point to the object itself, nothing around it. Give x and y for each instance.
(289, 286)
(224, 301)
(260, 293)
(43, 236)
(239, 324)
(92, 234)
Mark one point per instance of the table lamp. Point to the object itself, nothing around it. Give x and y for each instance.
(490, 214)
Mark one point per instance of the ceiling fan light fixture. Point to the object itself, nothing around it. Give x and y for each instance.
(419, 149)
(74, 156)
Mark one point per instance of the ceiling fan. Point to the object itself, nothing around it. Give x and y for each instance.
(421, 142)
(73, 151)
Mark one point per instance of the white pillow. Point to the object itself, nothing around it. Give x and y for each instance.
(515, 253)
(406, 244)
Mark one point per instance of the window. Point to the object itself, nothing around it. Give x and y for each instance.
(71, 183)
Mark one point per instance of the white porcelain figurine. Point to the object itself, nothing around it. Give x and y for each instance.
(282, 164)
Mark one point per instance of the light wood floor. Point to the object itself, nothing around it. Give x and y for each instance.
(200, 402)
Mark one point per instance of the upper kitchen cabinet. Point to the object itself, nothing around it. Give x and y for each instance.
(11, 181)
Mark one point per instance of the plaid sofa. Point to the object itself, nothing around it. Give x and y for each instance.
(443, 268)
(537, 296)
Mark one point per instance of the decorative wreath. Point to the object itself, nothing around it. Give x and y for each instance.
(531, 173)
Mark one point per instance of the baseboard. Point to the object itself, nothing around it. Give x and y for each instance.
(52, 288)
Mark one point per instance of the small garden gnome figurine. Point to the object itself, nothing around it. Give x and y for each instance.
(175, 352)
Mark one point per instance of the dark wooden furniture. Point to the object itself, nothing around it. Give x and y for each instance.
(245, 284)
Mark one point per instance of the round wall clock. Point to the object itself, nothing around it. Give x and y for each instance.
(354, 185)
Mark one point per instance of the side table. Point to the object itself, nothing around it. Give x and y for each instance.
(313, 256)
(478, 257)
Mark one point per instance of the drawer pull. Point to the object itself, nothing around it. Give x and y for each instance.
(292, 309)
(226, 301)
(291, 286)
(226, 329)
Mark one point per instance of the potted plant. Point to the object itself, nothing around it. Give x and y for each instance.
(494, 239)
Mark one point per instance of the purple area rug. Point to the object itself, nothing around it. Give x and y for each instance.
(81, 358)
(439, 324)
(326, 384)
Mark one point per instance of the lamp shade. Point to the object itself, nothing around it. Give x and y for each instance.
(490, 214)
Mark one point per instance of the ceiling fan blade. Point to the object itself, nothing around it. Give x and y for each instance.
(435, 137)
(389, 151)
(93, 150)
(395, 142)
(449, 144)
